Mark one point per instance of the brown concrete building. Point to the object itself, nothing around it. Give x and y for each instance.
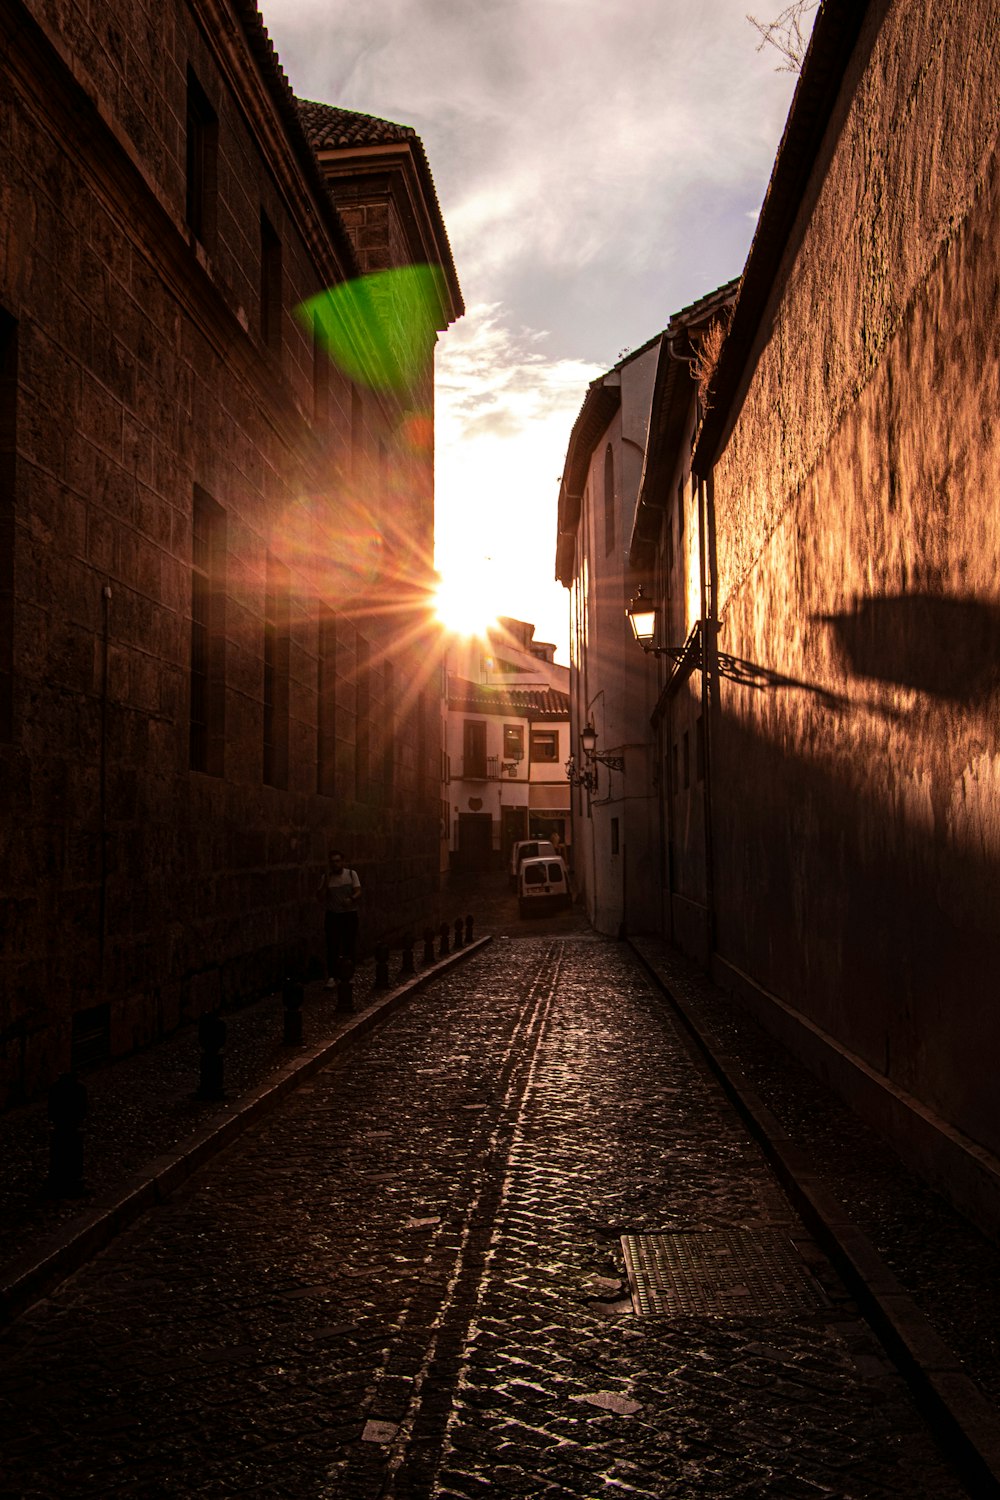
(850, 466)
(214, 541)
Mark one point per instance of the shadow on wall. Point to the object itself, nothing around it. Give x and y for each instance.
(933, 643)
(855, 875)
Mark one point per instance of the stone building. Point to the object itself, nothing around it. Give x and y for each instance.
(850, 464)
(617, 863)
(821, 540)
(215, 538)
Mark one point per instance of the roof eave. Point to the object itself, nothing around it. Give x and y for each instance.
(602, 400)
(834, 39)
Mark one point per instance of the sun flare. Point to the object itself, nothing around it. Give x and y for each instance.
(464, 604)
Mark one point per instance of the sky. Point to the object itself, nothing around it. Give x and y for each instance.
(599, 164)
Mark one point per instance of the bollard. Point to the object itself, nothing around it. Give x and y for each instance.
(292, 996)
(345, 989)
(468, 930)
(382, 967)
(406, 968)
(458, 933)
(428, 945)
(443, 933)
(67, 1107)
(211, 1040)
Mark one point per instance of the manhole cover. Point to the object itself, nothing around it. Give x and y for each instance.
(745, 1273)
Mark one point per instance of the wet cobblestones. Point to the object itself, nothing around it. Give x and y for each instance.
(940, 1258)
(406, 1282)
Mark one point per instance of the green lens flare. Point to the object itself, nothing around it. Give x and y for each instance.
(379, 329)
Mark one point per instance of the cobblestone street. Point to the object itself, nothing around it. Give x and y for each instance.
(409, 1281)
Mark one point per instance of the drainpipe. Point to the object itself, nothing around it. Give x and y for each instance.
(709, 681)
(102, 922)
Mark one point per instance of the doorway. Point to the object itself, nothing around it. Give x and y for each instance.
(475, 841)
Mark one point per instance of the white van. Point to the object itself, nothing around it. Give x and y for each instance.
(527, 849)
(542, 885)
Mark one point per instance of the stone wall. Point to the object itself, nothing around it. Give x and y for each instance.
(137, 892)
(856, 790)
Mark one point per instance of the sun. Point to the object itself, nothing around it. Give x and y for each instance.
(463, 602)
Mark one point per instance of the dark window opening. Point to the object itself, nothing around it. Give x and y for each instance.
(545, 745)
(202, 163)
(321, 373)
(615, 846)
(674, 778)
(270, 284)
(208, 641)
(699, 747)
(388, 730)
(609, 500)
(326, 706)
(474, 749)
(687, 760)
(513, 742)
(277, 650)
(357, 418)
(8, 450)
(363, 729)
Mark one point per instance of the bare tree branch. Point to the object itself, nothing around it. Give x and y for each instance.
(788, 33)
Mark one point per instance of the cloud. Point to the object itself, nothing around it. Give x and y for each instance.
(564, 135)
(599, 166)
(505, 406)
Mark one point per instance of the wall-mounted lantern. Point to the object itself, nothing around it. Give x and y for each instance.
(586, 779)
(588, 744)
(641, 615)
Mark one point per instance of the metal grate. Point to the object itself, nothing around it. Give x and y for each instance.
(743, 1273)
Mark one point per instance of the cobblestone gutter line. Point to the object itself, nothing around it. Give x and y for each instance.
(35, 1274)
(965, 1423)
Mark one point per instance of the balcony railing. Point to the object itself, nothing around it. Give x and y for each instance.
(488, 768)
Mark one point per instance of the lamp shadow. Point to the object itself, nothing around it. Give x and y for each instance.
(943, 645)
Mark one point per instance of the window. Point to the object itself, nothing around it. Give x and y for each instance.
(202, 163)
(615, 846)
(326, 706)
(357, 434)
(675, 784)
(687, 760)
(609, 499)
(276, 664)
(8, 449)
(424, 770)
(321, 373)
(699, 747)
(474, 749)
(270, 284)
(363, 729)
(513, 742)
(208, 645)
(680, 524)
(545, 745)
(388, 730)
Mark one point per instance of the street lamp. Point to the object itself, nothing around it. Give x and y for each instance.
(641, 615)
(588, 744)
(586, 779)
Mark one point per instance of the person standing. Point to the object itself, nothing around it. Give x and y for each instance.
(340, 891)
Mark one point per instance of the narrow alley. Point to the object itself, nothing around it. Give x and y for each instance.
(410, 1280)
